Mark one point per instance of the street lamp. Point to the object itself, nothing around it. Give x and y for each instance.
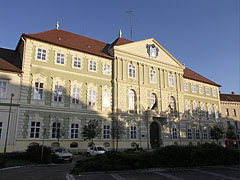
(9, 115)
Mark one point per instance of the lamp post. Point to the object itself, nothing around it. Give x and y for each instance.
(9, 115)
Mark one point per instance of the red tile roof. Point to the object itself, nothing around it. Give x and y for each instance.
(121, 41)
(230, 97)
(72, 41)
(189, 74)
(6, 66)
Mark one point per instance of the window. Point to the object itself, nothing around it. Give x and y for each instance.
(228, 124)
(92, 66)
(193, 88)
(234, 112)
(75, 95)
(1, 126)
(209, 110)
(131, 71)
(207, 91)
(56, 128)
(131, 95)
(41, 54)
(189, 133)
(187, 107)
(186, 86)
(60, 58)
(171, 79)
(214, 92)
(106, 69)
(106, 99)
(38, 91)
(77, 62)
(174, 133)
(106, 132)
(197, 133)
(172, 103)
(153, 76)
(3, 89)
(58, 93)
(200, 89)
(153, 101)
(133, 132)
(227, 112)
(35, 129)
(205, 134)
(74, 130)
(91, 97)
(216, 114)
(236, 126)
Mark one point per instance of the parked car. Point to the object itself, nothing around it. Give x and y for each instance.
(60, 154)
(94, 150)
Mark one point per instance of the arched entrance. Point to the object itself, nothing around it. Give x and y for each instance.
(154, 135)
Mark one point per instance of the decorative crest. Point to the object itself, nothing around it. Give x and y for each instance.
(152, 50)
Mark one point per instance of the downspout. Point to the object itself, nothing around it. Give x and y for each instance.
(140, 139)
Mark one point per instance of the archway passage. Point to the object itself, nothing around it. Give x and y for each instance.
(154, 135)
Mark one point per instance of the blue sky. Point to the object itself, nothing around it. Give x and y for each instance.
(203, 34)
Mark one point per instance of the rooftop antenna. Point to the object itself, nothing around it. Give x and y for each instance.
(57, 25)
(130, 21)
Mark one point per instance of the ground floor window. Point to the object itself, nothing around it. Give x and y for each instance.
(174, 133)
(35, 129)
(197, 133)
(133, 132)
(74, 131)
(106, 132)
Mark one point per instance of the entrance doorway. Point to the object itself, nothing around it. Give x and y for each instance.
(154, 135)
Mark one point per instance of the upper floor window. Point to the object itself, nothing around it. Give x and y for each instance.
(197, 133)
(1, 126)
(132, 98)
(172, 103)
(214, 92)
(171, 79)
(200, 89)
(153, 76)
(38, 91)
(92, 66)
(74, 130)
(133, 132)
(131, 71)
(174, 133)
(3, 89)
(58, 93)
(56, 130)
(106, 99)
(60, 58)
(226, 112)
(35, 129)
(207, 91)
(189, 133)
(41, 54)
(205, 134)
(106, 69)
(75, 95)
(91, 97)
(186, 86)
(153, 101)
(234, 112)
(77, 62)
(106, 132)
(193, 88)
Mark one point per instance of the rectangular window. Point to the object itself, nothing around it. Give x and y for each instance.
(207, 91)
(58, 93)
(91, 97)
(226, 112)
(74, 131)
(153, 76)
(185, 86)
(38, 91)
(56, 128)
(133, 132)
(92, 66)
(236, 124)
(197, 133)
(200, 89)
(193, 88)
(35, 129)
(131, 71)
(106, 99)
(209, 110)
(174, 133)
(189, 133)
(75, 95)
(214, 92)
(171, 79)
(77, 62)
(106, 132)
(60, 58)
(205, 134)
(234, 112)
(1, 126)
(41, 54)
(3, 89)
(106, 69)
(228, 124)
(216, 114)
(187, 107)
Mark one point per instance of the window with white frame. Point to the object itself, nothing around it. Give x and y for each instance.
(133, 132)
(35, 129)
(106, 99)
(187, 107)
(106, 132)
(1, 126)
(189, 133)
(92, 66)
(91, 98)
(207, 91)
(153, 101)
(171, 79)
(226, 112)
(106, 69)
(205, 134)
(131, 71)
(197, 133)
(214, 92)
(41, 54)
(38, 91)
(200, 89)
(193, 88)
(216, 114)
(172, 103)
(131, 95)
(77, 62)
(234, 112)
(58, 93)
(60, 58)
(153, 76)
(174, 133)
(75, 95)
(185, 86)
(56, 130)
(3, 89)
(74, 130)
(209, 110)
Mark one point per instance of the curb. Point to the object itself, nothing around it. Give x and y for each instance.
(34, 165)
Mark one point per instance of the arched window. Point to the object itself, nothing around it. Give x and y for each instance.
(55, 144)
(132, 99)
(172, 103)
(73, 145)
(153, 101)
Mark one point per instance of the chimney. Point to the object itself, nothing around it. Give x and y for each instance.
(233, 92)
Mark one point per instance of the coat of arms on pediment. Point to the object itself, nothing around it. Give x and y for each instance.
(152, 50)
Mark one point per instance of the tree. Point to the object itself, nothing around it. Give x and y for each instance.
(216, 133)
(91, 130)
(230, 133)
(117, 131)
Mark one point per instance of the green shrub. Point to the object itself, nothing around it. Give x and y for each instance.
(34, 154)
(2, 162)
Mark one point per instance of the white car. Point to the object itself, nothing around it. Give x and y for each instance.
(94, 150)
(61, 154)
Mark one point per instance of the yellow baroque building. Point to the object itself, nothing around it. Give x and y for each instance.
(69, 79)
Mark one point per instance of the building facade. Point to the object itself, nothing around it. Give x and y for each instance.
(70, 79)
